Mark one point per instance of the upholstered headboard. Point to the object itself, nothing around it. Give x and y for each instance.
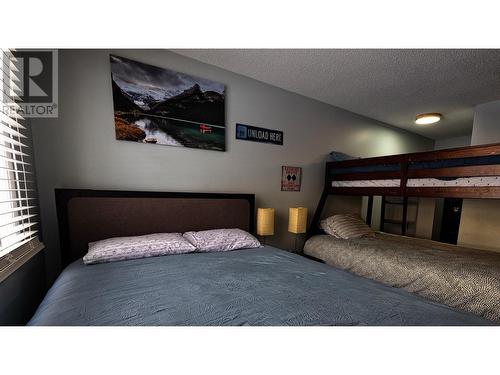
(90, 215)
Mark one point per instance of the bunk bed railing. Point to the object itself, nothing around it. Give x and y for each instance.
(392, 170)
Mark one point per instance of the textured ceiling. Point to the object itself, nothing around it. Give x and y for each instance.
(388, 85)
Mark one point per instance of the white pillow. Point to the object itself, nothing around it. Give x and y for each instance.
(150, 245)
(221, 240)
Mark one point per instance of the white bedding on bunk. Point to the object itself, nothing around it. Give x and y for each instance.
(462, 181)
(367, 183)
(423, 182)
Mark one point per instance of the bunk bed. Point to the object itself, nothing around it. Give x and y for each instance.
(466, 279)
(466, 172)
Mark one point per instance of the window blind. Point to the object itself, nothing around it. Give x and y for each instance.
(18, 198)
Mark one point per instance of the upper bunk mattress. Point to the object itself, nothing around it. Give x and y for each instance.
(431, 164)
(263, 286)
(462, 278)
(457, 181)
(423, 182)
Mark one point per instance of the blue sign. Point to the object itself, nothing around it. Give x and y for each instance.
(255, 134)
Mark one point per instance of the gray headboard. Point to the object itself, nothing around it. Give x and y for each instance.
(90, 215)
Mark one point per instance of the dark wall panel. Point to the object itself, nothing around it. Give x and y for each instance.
(22, 292)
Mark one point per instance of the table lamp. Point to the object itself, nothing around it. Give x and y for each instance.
(265, 222)
(297, 221)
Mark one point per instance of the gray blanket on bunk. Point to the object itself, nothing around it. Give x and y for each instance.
(466, 279)
(263, 286)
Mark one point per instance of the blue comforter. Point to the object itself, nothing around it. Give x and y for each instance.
(263, 286)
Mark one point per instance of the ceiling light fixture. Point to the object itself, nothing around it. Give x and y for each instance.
(428, 118)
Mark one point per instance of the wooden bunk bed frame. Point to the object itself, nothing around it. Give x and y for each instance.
(403, 173)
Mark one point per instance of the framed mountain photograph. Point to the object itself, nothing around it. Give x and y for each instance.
(160, 106)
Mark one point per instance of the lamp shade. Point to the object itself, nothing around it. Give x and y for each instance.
(265, 221)
(297, 219)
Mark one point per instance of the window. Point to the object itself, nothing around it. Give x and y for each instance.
(18, 208)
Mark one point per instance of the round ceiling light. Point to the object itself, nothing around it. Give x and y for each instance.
(428, 118)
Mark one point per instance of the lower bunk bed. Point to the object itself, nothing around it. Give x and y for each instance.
(462, 278)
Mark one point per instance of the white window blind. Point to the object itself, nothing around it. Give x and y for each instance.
(18, 204)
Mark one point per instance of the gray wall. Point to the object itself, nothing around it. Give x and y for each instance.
(79, 150)
(486, 127)
(453, 142)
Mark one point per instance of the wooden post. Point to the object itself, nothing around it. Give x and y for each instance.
(404, 180)
(369, 210)
(382, 214)
(313, 229)
(405, 214)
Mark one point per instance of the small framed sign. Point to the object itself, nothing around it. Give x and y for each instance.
(291, 178)
(255, 134)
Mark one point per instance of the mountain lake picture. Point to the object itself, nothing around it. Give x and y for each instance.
(161, 106)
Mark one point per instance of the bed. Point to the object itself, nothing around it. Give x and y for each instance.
(462, 278)
(264, 286)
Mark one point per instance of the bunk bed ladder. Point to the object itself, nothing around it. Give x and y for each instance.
(404, 218)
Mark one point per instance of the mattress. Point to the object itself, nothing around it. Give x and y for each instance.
(465, 279)
(423, 182)
(264, 286)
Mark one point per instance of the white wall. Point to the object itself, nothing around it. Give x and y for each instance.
(480, 220)
(425, 218)
(79, 150)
